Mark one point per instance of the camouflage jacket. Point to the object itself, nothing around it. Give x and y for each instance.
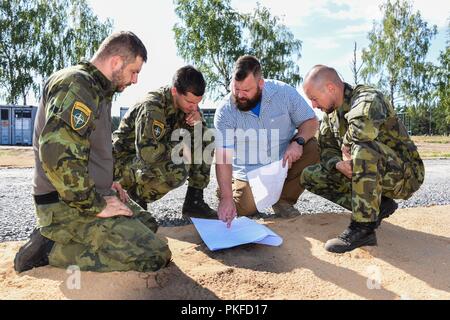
(366, 115)
(73, 148)
(144, 134)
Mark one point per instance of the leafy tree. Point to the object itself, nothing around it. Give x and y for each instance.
(420, 119)
(397, 51)
(73, 32)
(274, 45)
(432, 114)
(442, 110)
(212, 35)
(37, 37)
(18, 48)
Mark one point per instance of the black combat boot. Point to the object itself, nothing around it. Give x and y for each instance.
(356, 235)
(195, 207)
(34, 253)
(387, 207)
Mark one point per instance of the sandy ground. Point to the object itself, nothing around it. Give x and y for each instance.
(412, 261)
(22, 157)
(16, 157)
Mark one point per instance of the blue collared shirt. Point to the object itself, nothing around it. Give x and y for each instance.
(258, 141)
(257, 109)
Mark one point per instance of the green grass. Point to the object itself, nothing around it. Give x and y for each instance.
(431, 139)
(4, 153)
(434, 154)
(12, 152)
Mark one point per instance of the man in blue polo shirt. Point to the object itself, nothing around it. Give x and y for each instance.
(258, 123)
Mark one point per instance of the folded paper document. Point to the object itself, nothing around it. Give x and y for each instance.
(243, 230)
(267, 183)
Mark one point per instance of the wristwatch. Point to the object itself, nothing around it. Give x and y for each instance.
(300, 140)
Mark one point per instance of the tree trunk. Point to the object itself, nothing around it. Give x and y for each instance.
(392, 95)
(24, 95)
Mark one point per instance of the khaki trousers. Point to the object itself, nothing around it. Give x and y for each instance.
(242, 193)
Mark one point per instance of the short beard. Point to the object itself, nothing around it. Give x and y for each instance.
(331, 109)
(250, 103)
(117, 79)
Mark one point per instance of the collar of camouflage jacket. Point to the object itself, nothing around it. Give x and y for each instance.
(169, 105)
(348, 93)
(105, 84)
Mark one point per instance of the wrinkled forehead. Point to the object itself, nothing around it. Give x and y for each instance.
(136, 64)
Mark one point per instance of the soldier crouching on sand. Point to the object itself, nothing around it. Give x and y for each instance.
(367, 157)
(143, 147)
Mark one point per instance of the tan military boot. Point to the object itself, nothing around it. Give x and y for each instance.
(284, 209)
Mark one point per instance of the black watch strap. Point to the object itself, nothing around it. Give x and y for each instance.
(300, 140)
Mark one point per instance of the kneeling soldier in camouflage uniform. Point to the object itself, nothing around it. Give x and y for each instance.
(143, 145)
(81, 220)
(367, 157)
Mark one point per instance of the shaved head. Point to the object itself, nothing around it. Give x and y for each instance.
(324, 88)
(319, 76)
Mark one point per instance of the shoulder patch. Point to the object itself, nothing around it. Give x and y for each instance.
(79, 116)
(158, 129)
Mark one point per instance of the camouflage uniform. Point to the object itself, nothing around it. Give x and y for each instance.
(142, 149)
(73, 173)
(385, 160)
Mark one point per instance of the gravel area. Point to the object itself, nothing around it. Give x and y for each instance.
(17, 211)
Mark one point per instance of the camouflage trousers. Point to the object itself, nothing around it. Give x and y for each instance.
(103, 245)
(151, 183)
(377, 171)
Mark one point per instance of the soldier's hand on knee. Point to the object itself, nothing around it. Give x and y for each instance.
(114, 207)
(345, 167)
(123, 195)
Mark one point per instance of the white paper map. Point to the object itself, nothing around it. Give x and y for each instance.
(267, 183)
(243, 230)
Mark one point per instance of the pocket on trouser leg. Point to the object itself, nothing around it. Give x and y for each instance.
(96, 247)
(44, 215)
(157, 256)
(65, 255)
(94, 234)
(131, 245)
(55, 221)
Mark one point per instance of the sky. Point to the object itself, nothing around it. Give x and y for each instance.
(327, 28)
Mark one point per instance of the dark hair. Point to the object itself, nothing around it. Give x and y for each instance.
(244, 66)
(123, 43)
(188, 79)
